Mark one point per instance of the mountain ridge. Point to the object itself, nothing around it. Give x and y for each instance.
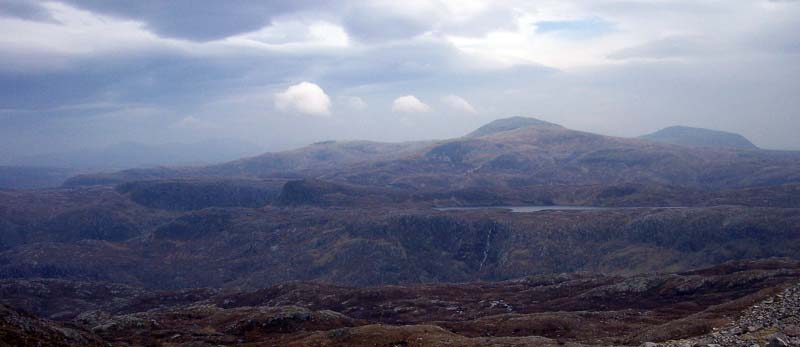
(509, 152)
(508, 124)
(700, 137)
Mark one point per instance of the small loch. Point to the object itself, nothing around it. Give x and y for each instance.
(526, 209)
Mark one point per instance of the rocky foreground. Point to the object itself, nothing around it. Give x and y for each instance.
(739, 303)
(774, 322)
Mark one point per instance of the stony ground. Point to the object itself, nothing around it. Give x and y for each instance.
(543, 310)
(774, 322)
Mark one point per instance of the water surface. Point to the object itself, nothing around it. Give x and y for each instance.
(527, 208)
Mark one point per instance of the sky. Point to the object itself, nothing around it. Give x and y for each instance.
(281, 74)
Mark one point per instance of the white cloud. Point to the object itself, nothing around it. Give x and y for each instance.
(354, 102)
(409, 104)
(458, 103)
(293, 36)
(304, 97)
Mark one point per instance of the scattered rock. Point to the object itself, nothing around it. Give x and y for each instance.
(777, 342)
(792, 330)
(755, 327)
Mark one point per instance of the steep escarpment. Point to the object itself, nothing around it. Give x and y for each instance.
(385, 243)
(327, 193)
(195, 194)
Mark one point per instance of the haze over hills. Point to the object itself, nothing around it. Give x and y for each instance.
(646, 217)
(52, 169)
(30, 177)
(507, 153)
(699, 137)
(127, 155)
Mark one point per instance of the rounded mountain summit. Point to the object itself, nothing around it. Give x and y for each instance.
(699, 137)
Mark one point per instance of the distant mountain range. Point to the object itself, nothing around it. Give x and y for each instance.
(699, 137)
(52, 169)
(127, 155)
(505, 154)
(212, 254)
(30, 177)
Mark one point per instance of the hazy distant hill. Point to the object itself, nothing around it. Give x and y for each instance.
(26, 177)
(537, 153)
(699, 137)
(309, 161)
(127, 155)
(506, 124)
(507, 153)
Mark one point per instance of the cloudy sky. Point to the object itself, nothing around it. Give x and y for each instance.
(280, 74)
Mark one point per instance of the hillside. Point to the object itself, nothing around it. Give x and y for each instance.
(19, 329)
(309, 161)
(508, 153)
(661, 242)
(508, 124)
(124, 236)
(546, 155)
(699, 137)
(544, 310)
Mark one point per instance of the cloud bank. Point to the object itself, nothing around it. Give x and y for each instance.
(88, 73)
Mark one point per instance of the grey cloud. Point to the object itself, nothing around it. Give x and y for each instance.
(393, 63)
(22, 9)
(371, 24)
(199, 20)
(671, 47)
(745, 84)
(164, 78)
(650, 7)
